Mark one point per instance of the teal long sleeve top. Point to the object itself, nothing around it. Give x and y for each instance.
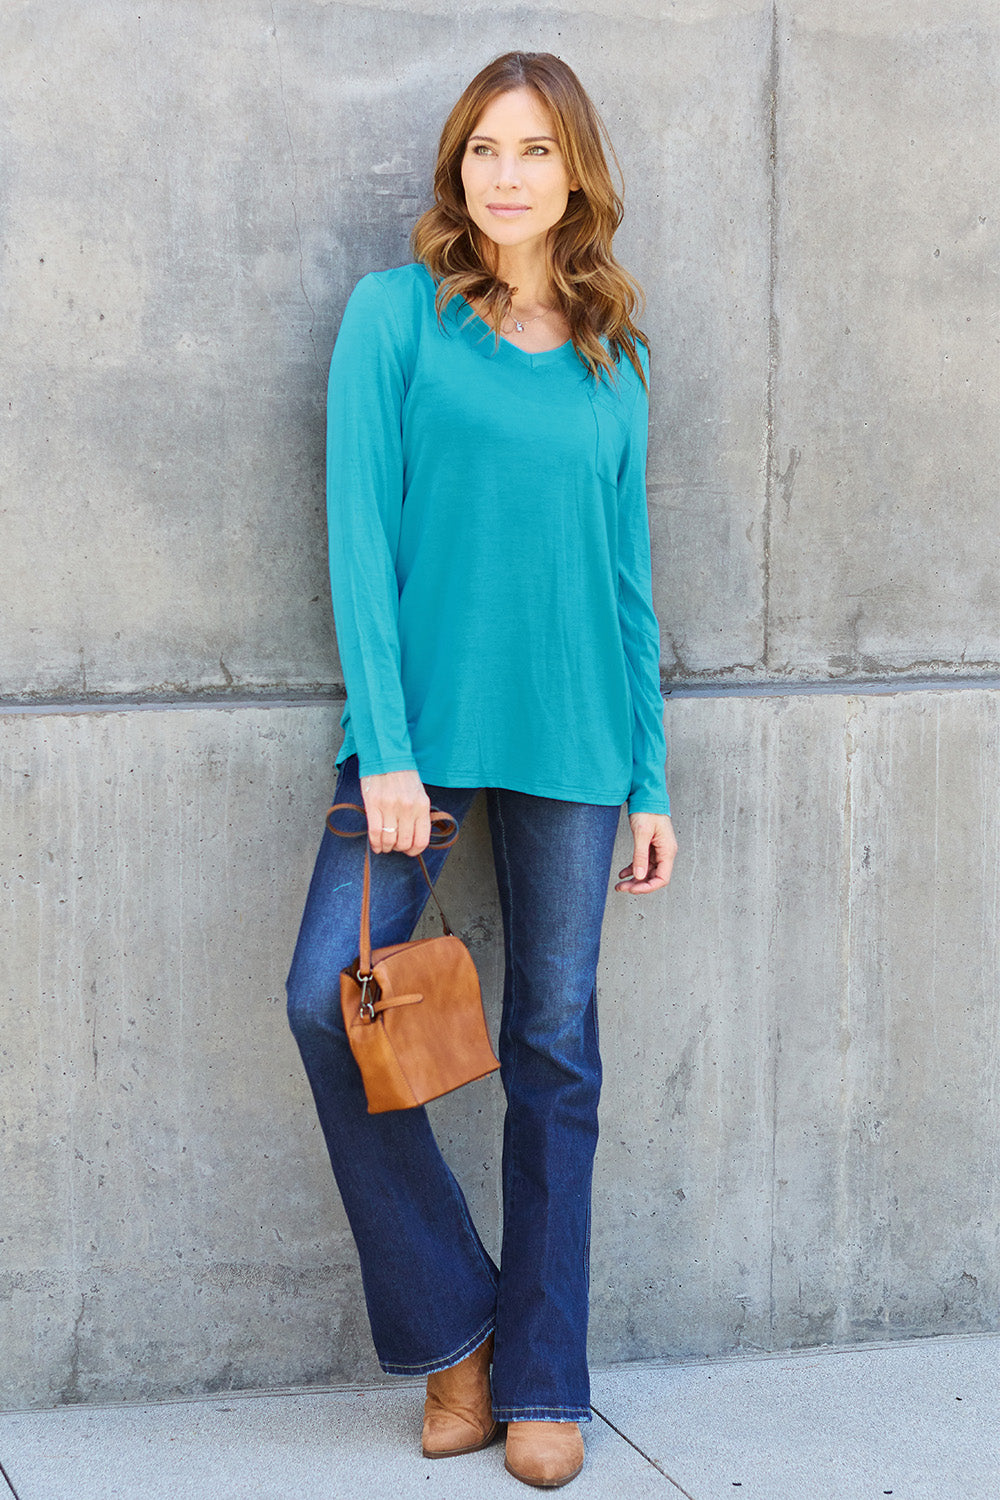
(489, 556)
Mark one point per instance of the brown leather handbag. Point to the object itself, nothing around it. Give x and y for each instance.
(413, 1011)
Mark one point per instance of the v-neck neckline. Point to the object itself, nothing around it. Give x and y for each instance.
(532, 354)
(524, 356)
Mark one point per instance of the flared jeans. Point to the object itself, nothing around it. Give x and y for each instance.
(433, 1292)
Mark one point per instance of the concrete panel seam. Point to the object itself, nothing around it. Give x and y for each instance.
(295, 189)
(842, 686)
(759, 688)
(772, 337)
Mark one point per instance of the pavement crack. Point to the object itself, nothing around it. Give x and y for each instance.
(8, 1481)
(643, 1454)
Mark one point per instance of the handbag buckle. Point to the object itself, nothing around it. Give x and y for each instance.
(367, 1006)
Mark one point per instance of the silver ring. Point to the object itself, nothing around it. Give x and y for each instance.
(390, 830)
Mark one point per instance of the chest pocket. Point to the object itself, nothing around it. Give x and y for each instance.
(610, 407)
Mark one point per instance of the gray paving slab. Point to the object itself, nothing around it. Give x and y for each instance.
(915, 1421)
(321, 1446)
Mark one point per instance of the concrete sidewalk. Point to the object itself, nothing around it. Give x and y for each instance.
(917, 1421)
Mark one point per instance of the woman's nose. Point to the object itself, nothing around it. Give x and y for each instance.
(506, 173)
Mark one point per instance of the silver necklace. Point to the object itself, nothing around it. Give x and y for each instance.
(521, 326)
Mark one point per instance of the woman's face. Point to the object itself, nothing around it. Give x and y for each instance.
(515, 178)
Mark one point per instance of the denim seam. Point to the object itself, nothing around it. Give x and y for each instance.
(433, 1366)
(510, 903)
(597, 1018)
(474, 1236)
(511, 969)
(586, 1247)
(541, 1413)
(586, 1251)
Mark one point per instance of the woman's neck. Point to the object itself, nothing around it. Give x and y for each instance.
(529, 274)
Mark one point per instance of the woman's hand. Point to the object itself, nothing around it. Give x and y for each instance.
(398, 811)
(653, 851)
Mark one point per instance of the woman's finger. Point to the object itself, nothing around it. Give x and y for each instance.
(396, 825)
(383, 824)
(654, 851)
(640, 853)
(403, 838)
(383, 831)
(421, 836)
(396, 804)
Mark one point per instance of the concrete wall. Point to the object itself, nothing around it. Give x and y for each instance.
(800, 1118)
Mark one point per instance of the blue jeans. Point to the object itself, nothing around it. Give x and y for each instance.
(432, 1291)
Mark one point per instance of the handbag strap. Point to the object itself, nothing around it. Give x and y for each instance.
(442, 840)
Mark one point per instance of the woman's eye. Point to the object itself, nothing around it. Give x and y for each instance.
(544, 150)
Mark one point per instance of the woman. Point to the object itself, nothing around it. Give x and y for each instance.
(489, 554)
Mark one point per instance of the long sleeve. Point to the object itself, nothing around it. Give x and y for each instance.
(364, 484)
(639, 626)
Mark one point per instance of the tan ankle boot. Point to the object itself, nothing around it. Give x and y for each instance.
(545, 1454)
(458, 1411)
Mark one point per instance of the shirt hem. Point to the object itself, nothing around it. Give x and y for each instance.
(561, 793)
(519, 784)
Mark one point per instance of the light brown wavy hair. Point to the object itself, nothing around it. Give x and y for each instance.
(596, 295)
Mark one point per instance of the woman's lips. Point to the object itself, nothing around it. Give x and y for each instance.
(507, 211)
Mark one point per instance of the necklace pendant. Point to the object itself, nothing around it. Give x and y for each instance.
(518, 326)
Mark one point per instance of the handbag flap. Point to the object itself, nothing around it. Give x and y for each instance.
(442, 1043)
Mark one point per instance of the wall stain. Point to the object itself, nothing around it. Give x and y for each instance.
(786, 480)
(71, 1395)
